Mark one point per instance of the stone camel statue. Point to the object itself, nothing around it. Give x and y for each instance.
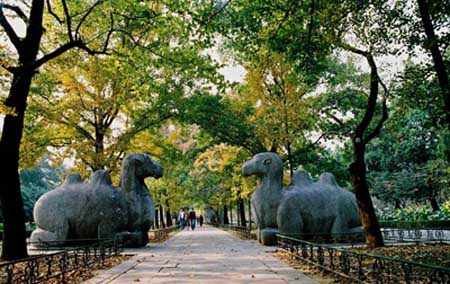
(303, 207)
(96, 209)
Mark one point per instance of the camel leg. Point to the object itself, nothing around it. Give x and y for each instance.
(290, 220)
(258, 235)
(106, 230)
(268, 236)
(56, 235)
(340, 231)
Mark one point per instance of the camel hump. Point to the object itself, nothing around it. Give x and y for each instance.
(72, 179)
(100, 178)
(328, 178)
(301, 178)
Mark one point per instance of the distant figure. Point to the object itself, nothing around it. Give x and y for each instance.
(200, 220)
(182, 219)
(192, 219)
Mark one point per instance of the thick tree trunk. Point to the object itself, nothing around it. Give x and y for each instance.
(226, 221)
(14, 237)
(366, 210)
(242, 212)
(439, 66)
(14, 242)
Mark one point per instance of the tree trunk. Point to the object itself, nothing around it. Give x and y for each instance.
(156, 219)
(290, 162)
(439, 66)
(226, 221)
(161, 216)
(168, 215)
(99, 145)
(231, 213)
(242, 212)
(14, 236)
(366, 210)
(398, 204)
(360, 139)
(434, 204)
(237, 215)
(250, 214)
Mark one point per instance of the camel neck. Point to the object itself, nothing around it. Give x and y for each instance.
(270, 185)
(128, 182)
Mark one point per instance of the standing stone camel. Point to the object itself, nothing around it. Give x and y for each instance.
(97, 209)
(304, 207)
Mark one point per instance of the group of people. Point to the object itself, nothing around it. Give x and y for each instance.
(189, 219)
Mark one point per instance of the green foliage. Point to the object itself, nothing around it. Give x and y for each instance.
(216, 116)
(160, 91)
(416, 213)
(407, 161)
(35, 182)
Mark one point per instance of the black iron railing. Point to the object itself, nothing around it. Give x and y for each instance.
(59, 265)
(341, 238)
(362, 267)
(242, 230)
(162, 234)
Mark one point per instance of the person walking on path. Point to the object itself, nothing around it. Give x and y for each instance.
(182, 219)
(192, 219)
(200, 220)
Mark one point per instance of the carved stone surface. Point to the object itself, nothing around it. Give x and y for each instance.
(304, 207)
(97, 209)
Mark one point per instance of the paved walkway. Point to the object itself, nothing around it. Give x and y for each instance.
(206, 255)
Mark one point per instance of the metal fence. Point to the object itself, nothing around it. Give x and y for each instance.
(57, 265)
(161, 234)
(360, 267)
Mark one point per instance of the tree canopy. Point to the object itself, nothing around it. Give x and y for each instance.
(357, 88)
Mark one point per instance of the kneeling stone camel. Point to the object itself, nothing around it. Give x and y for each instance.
(97, 209)
(303, 207)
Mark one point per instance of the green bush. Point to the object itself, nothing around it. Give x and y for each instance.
(416, 213)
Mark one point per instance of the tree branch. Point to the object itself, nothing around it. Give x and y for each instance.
(68, 20)
(15, 40)
(89, 11)
(18, 12)
(384, 115)
(377, 129)
(90, 51)
(57, 52)
(334, 118)
(50, 11)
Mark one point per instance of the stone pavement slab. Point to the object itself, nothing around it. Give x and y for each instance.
(206, 255)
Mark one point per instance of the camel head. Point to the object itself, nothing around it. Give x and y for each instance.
(142, 166)
(264, 164)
